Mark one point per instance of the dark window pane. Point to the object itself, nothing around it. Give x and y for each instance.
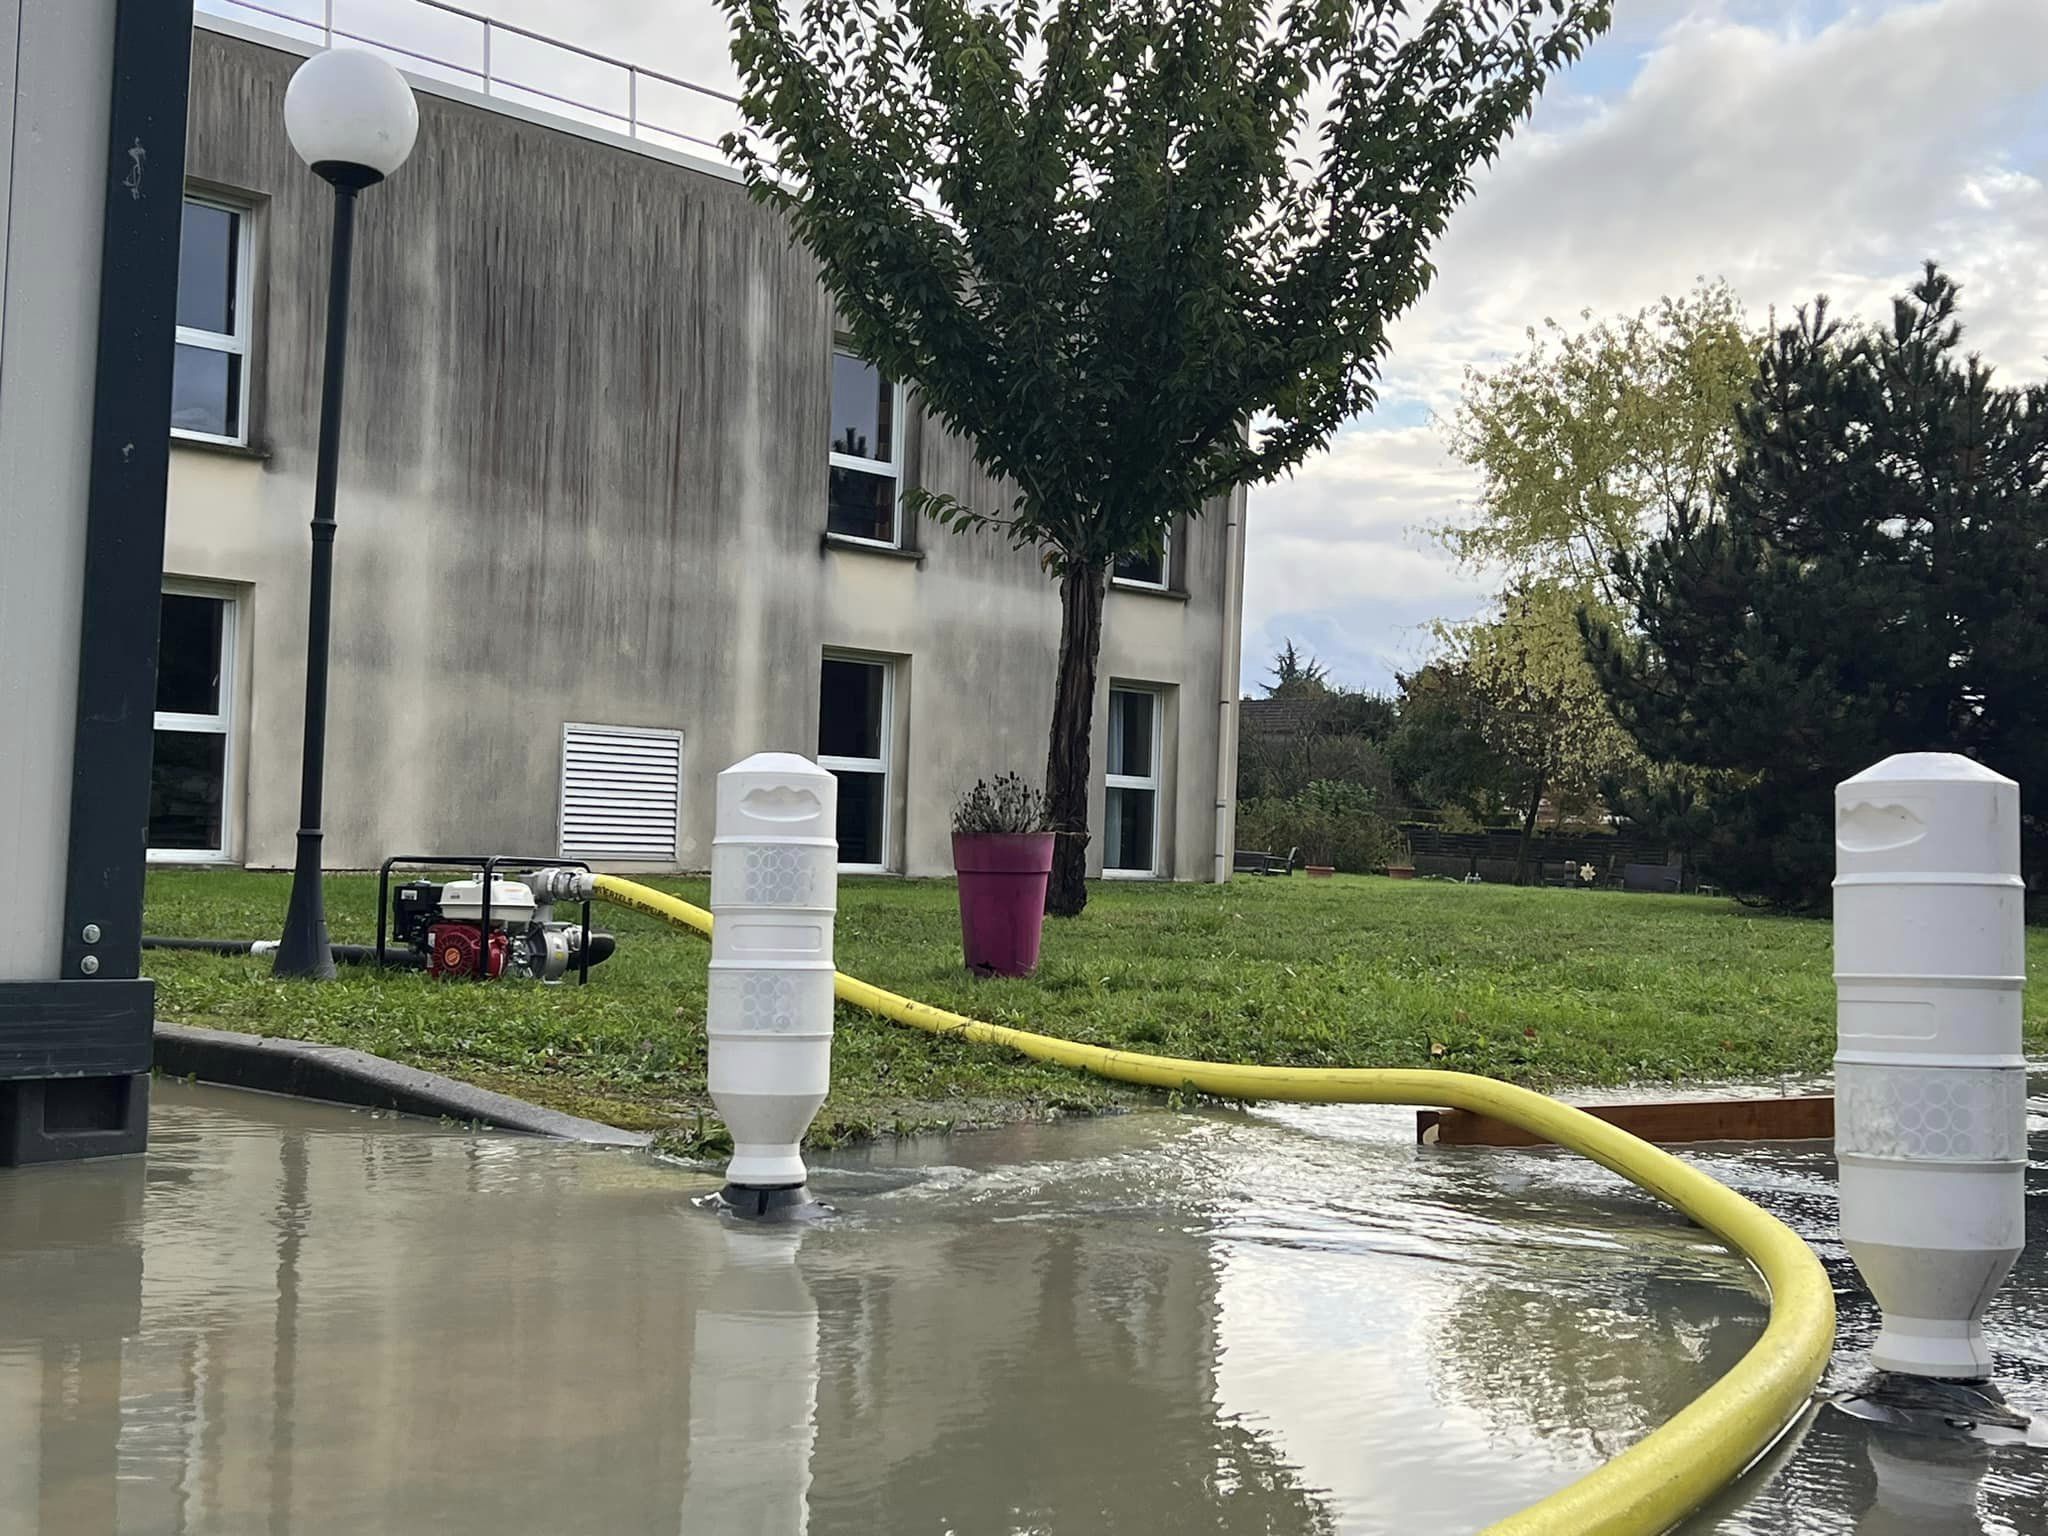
(1128, 844)
(206, 389)
(1130, 733)
(206, 269)
(185, 788)
(850, 709)
(860, 817)
(863, 506)
(188, 655)
(863, 410)
(1150, 569)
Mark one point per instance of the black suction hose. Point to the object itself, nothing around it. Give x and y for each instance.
(396, 957)
(344, 954)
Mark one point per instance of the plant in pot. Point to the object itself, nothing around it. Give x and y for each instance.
(1002, 853)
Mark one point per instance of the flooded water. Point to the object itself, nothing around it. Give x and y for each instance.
(290, 1318)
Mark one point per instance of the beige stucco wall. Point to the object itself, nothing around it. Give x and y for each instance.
(583, 479)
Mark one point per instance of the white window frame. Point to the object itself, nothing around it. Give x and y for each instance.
(874, 765)
(1165, 581)
(219, 724)
(892, 469)
(1153, 781)
(237, 344)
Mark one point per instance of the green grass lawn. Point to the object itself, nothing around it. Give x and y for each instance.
(1551, 988)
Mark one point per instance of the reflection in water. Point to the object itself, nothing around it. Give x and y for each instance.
(1925, 1486)
(754, 1374)
(300, 1319)
(61, 1387)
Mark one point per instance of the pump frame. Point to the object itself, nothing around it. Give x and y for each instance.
(487, 865)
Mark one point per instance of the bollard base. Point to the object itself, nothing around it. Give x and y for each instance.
(1940, 1349)
(1952, 1410)
(781, 1203)
(67, 1119)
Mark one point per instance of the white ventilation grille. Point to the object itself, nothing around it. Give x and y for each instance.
(621, 790)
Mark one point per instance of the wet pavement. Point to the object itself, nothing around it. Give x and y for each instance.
(293, 1318)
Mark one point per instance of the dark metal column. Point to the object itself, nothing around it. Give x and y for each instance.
(304, 949)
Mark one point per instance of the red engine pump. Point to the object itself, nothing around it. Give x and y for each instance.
(452, 950)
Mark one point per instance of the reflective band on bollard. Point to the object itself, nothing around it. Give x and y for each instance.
(768, 1017)
(1930, 1083)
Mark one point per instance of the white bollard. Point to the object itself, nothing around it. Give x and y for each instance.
(768, 1017)
(1930, 1084)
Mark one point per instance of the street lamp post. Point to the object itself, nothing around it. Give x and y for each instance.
(352, 118)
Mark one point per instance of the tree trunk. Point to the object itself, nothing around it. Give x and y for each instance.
(1073, 720)
(1528, 834)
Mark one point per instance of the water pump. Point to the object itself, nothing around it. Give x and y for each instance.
(492, 924)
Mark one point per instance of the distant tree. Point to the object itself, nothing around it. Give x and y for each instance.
(1362, 713)
(1540, 708)
(1590, 441)
(1509, 716)
(1285, 764)
(1877, 582)
(1296, 672)
(1330, 733)
(1137, 254)
(1441, 754)
(1587, 445)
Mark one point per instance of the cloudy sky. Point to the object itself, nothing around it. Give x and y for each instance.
(1792, 147)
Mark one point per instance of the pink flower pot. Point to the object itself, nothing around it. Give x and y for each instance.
(1003, 877)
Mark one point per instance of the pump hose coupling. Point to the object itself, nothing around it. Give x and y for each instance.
(562, 884)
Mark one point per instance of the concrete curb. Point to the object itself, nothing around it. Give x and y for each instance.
(339, 1075)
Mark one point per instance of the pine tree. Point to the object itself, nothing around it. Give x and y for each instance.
(1296, 672)
(1876, 582)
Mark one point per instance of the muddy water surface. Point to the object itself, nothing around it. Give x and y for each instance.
(291, 1318)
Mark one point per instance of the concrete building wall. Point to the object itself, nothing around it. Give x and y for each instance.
(583, 480)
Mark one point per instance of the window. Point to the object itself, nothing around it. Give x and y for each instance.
(855, 707)
(867, 458)
(188, 778)
(1131, 801)
(1146, 570)
(622, 790)
(210, 379)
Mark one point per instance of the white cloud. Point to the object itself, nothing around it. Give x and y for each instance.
(1790, 150)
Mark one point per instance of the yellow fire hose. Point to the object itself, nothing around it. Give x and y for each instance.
(1662, 1478)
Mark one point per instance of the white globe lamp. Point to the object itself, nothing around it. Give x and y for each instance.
(351, 116)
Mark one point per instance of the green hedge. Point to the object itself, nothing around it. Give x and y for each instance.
(1330, 822)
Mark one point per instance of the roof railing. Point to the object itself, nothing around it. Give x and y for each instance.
(507, 61)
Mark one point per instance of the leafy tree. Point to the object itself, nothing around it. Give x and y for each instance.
(1440, 753)
(1587, 443)
(1328, 733)
(1877, 583)
(1510, 716)
(1295, 673)
(1540, 708)
(1139, 252)
(1285, 765)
